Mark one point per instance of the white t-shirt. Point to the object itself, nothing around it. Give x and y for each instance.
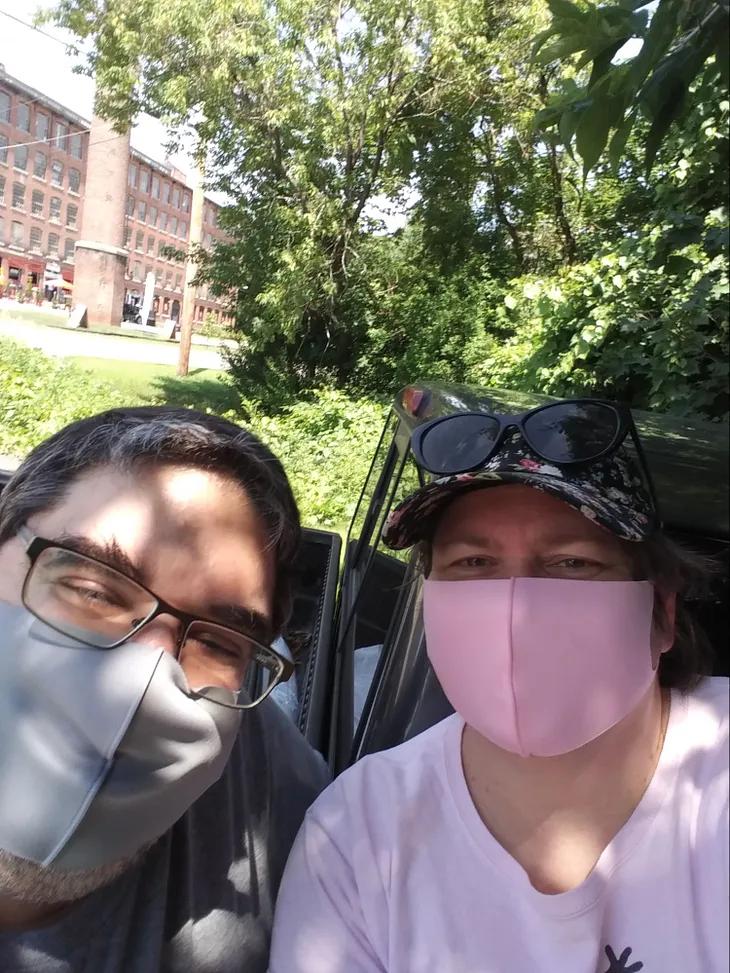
(394, 872)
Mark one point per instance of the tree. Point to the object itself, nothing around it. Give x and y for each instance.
(678, 40)
(303, 109)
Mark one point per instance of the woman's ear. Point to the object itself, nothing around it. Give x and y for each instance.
(663, 624)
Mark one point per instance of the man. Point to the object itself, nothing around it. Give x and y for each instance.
(148, 800)
(572, 815)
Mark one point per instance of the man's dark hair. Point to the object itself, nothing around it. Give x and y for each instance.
(132, 439)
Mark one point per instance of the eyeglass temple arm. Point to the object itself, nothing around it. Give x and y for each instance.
(25, 534)
(636, 439)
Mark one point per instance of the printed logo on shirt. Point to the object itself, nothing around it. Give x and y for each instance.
(620, 964)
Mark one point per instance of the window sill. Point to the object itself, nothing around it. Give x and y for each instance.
(22, 172)
(74, 192)
(16, 247)
(55, 222)
(19, 209)
(72, 229)
(40, 179)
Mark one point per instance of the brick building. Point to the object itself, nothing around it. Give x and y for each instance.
(44, 183)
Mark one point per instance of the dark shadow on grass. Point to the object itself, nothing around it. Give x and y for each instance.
(197, 393)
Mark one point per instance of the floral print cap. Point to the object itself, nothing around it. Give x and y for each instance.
(609, 491)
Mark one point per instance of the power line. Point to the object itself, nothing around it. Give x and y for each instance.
(83, 131)
(38, 30)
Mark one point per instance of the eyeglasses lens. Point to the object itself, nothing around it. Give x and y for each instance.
(572, 432)
(458, 444)
(99, 606)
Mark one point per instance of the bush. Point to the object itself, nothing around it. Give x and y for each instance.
(326, 442)
(326, 445)
(40, 395)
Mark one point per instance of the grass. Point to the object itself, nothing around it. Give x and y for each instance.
(50, 319)
(148, 384)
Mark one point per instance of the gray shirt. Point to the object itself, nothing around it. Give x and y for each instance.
(202, 899)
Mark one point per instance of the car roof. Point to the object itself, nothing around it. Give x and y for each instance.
(688, 458)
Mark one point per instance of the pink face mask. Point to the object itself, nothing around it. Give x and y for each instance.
(540, 666)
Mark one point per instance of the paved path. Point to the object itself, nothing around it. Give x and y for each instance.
(67, 343)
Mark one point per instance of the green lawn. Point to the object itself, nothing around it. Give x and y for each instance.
(50, 319)
(149, 383)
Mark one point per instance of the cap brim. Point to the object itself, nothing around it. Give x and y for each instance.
(413, 520)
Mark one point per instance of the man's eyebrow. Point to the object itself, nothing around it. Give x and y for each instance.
(236, 616)
(467, 537)
(109, 553)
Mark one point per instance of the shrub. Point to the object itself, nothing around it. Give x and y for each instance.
(40, 395)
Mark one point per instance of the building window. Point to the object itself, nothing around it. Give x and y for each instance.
(208, 240)
(155, 190)
(139, 241)
(17, 238)
(132, 176)
(153, 216)
(200, 313)
(183, 230)
(178, 282)
(176, 198)
(54, 213)
(2, 230)
(36, 239)
(137, 270)
(158, 278)
(61, 135)
(150, 244)
(72, 213)
(141, 211)
(18, 195)
(4, 149)
(36, 206)
(41, 126)
(68, 251)
(163, 222)
(21, 157)
(166, 193)
(54, 241)
(147, 272)
(74, 180)
(186, 202)
(24, 117)
(40, 165)
(166, 306)
(168, 280)
(4, 107)
(173, 225)
(2, 192)
(127, 237)
(75, 145)
(160, 248)
(130, 205)
(57, 174)
(144, 180)
(211, 216)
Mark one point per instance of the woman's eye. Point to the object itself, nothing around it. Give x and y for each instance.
(473, 562)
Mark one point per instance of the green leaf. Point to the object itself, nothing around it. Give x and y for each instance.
(541, 38)
(602, 62)
(562, 48)
(722, 55)
(564, 8)
(592, 130)
(671, 108)
(619, 139)
(567, 126)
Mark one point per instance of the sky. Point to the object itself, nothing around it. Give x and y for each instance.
(44, 64)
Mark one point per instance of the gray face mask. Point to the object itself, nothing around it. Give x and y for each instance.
(100, 751)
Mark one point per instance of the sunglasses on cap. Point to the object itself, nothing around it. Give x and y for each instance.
(568, 433)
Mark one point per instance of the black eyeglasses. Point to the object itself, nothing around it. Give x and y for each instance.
(564, 433)
(94, 603)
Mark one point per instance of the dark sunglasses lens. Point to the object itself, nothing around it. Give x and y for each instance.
(572, 432)
(459, 443)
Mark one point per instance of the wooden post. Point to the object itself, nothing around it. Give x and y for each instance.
(187, 313)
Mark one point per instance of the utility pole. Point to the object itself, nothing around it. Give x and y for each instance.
(196, 238)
